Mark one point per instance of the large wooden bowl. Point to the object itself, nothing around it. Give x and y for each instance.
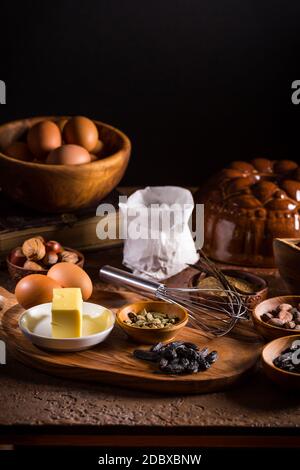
(59, 188)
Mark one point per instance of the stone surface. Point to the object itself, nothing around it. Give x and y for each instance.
(28, 397)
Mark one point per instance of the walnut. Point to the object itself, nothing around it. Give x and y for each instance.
(34, 249)
(69, 257)
(32, 266)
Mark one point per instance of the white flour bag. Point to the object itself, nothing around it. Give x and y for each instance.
(155, 225)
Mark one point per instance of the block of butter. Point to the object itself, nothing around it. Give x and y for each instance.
(67, 313)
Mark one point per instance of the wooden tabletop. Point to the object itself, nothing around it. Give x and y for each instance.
(36, 408)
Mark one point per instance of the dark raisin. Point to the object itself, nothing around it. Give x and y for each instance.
(212, 357)
(157, 347)
(191, 346)
(163, 363)
(204, 352)
(185, 362)
(169, 353)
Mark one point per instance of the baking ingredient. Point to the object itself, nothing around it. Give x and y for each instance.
(210, 282)
(53, 245)
(284, 316)
(146, 319)
(98, 148)
(69, 257)
(178, 357)
(82, 131)
(67, 313)
(35, 289)
(61, 122)
(71, 275)
(38, 254)
(42, 138)
(68, 154)
(20, 151)
(289, 359)
(50, 258)
(34, 249)
(17, 256)
(32, 266)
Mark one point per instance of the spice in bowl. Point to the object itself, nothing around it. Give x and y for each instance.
(210, 282)
(284, 316)
(289, 359)
(154, 320)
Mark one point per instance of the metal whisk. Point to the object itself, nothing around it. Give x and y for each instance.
(217, 315)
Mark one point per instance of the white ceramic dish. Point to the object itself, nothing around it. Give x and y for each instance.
(98, 321)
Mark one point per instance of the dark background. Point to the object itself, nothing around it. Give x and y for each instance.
(194, 83)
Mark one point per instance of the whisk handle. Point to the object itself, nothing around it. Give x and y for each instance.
(118, 276)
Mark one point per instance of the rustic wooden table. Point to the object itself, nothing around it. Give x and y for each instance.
(41, 409)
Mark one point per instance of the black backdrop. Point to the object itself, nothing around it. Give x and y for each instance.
(194, 83)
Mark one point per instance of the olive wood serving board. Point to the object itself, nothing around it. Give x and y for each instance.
(112, 361)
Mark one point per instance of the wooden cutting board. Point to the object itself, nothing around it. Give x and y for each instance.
(112, 362)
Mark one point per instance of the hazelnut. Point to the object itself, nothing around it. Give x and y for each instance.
(290, 325)
(32, 266)
(34, 249)
(50, 258)
(69, 257)
(17, 257)
(285, 316)
(53, 245)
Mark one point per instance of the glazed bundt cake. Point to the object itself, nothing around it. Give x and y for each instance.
(247, 205)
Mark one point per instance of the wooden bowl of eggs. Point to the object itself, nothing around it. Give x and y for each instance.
(57, 164)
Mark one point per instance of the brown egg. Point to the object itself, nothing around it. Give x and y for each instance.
(68, 154)
(35, 289)
(82, 131)
(71, 275)
(20, 151)
(99, 147)
(61, 122)
(42, 138)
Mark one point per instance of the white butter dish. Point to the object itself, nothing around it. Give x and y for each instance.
(97, 323)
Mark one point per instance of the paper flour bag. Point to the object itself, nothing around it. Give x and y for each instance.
(158, 241)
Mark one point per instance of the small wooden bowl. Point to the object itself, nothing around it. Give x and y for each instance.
(59, 188)
(18, 272)
(152, 336)
(287, 260)
(250, 300)
(279, 376)
(269, 331)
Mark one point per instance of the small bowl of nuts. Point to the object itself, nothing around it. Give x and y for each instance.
(36, 256)
(278, 316)
(150, 322)
(281, 361)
